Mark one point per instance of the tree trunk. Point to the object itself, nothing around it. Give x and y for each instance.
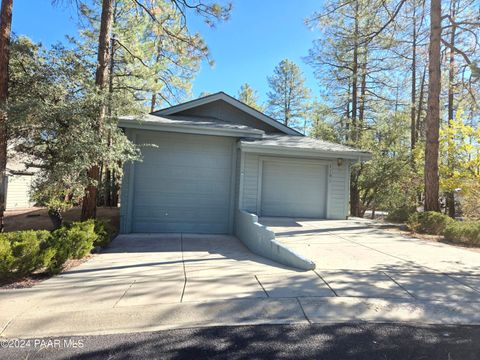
(153, 102)
(347, 115)
(433, 116)
(5, 31)
(413, 114)
(56, 218)
(363, 94)
(355, 76)
(354, 190)
(89, 206)
(451, 113)
(419, 123)
(115, 190)
(354, 194)
(111, 72)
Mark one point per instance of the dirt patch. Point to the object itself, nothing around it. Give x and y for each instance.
(34, 279)
(37, 218)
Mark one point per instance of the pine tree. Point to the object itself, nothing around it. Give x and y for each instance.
(288, 95)
(249, 96)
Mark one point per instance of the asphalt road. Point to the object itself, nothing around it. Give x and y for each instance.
(340, 341)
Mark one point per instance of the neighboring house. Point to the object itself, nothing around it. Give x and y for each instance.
(206, 158)
(19, 182)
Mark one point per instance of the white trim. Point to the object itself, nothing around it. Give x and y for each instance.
(233, 172)
(242, 175)
(347, 189)
(303, 152)
(259, 185)
(232, 101)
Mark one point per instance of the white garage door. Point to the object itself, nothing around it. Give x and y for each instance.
(293, 189)
(183, 184)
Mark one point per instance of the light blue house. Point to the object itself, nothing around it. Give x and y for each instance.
(206, 159)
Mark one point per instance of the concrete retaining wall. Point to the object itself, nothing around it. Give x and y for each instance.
(261, 241)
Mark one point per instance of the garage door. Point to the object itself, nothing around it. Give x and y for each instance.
(183, 184)
(293, 189)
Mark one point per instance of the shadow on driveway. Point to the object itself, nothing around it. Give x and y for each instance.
(344, 341)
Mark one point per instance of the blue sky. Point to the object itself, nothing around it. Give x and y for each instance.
(258, 36)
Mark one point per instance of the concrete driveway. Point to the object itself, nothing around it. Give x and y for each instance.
(150, 282)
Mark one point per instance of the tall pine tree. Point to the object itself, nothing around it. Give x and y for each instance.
(288, 96)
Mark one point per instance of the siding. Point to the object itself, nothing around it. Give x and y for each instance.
(226, 112)
(338, 190)
(250, 182)
(18, 189)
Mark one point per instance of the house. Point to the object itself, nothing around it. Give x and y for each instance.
(205, 160)
(18, 185)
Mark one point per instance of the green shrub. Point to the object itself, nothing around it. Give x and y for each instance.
(29, 248)
(429, 222)
(23, 252)
(104, 232)
(73, 241)
(401, 214)
(6, 257)
(465, 232)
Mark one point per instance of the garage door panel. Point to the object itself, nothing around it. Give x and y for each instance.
(167, 215)
(172, 227)
(184, 159)
(151, 173)
(173, 201)
(293, 189)
(183, 184)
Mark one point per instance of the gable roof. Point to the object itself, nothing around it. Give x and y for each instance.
(233, 102)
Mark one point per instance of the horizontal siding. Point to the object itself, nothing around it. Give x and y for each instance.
(250, 183)
(18, 189)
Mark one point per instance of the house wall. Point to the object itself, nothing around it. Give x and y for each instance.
(18, 192)
(226, 112)
(337, 185)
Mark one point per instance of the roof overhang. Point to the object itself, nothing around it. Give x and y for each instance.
(355, 156)
(232, 101)
(129, 123)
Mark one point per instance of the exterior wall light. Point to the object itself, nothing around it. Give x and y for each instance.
(339, 161)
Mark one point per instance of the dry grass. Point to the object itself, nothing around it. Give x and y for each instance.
(37, 218)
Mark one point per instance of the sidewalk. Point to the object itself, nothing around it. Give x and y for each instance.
(248, 311)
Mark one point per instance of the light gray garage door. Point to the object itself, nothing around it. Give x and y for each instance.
(183, 184)
(293, 189)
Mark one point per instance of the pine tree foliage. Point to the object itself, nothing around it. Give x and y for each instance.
(53, 107)
(249, 96)
(288, 96)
